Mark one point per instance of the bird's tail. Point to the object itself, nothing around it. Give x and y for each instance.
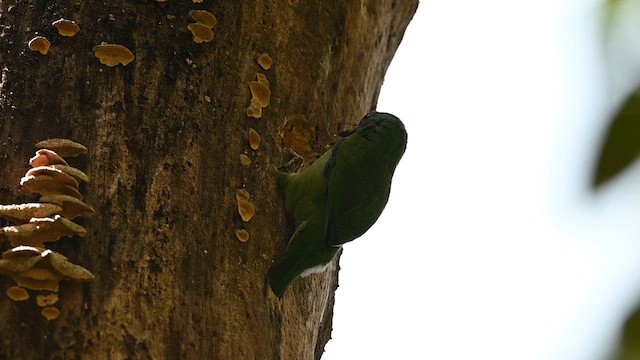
(281, 275)
(292, 263)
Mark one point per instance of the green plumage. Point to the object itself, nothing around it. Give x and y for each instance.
(339, 197)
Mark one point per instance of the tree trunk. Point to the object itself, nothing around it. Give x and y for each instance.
(164, 135)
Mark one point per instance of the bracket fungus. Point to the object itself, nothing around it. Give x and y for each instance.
(70, 207)
(28, 263)
(39, 269)
(262, 78)
(112, 55)
(21, 213)
(57, 175)
(40, 44)
(244, 160)
(16, 293)
(62, 147)
(203, 17)
(265, 61)
(48, 185)
(260, 96)
(254, 110)
(40, 230)
(242, 235)
(50, 313)
(77, 174)
(254, 139)
(46, 300)
(245, 208)
(261, 92)
(46, 157)
(66, 27)
(200, 32)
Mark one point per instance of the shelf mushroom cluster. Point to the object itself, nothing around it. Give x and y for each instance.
(28, 262)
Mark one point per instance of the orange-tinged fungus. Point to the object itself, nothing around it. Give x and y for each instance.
(50, 313)
(58, 175)
(66, 27)
(265, 61)
(16, 293)
(204, 17)
(242, 235)
(113, 54)
(62, 147)
(200, 32)
(254, 139)
(45, 157)
(41, 44)
(261, 92)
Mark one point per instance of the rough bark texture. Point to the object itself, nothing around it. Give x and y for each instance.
(164, 134)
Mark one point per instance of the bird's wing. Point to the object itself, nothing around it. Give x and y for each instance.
(355, 192)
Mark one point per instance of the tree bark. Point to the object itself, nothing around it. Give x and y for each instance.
(164, 134)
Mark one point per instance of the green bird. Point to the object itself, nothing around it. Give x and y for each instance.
(339, 197)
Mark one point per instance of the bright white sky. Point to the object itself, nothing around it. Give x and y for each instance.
(492, 245)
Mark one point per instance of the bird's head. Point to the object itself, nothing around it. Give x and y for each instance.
(385, 129)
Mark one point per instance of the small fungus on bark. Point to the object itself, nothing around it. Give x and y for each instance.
(204, 17)
(242, 235)
(112, 55)
(66, 27)
(254, 111)
(200, 32)
(262, 78)
(46, 300)
(245, 208)
(261, 92)
(16, 293)
(265, 61)
(50, 313)
(40, 44)
(244, 160)
(254, 139)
